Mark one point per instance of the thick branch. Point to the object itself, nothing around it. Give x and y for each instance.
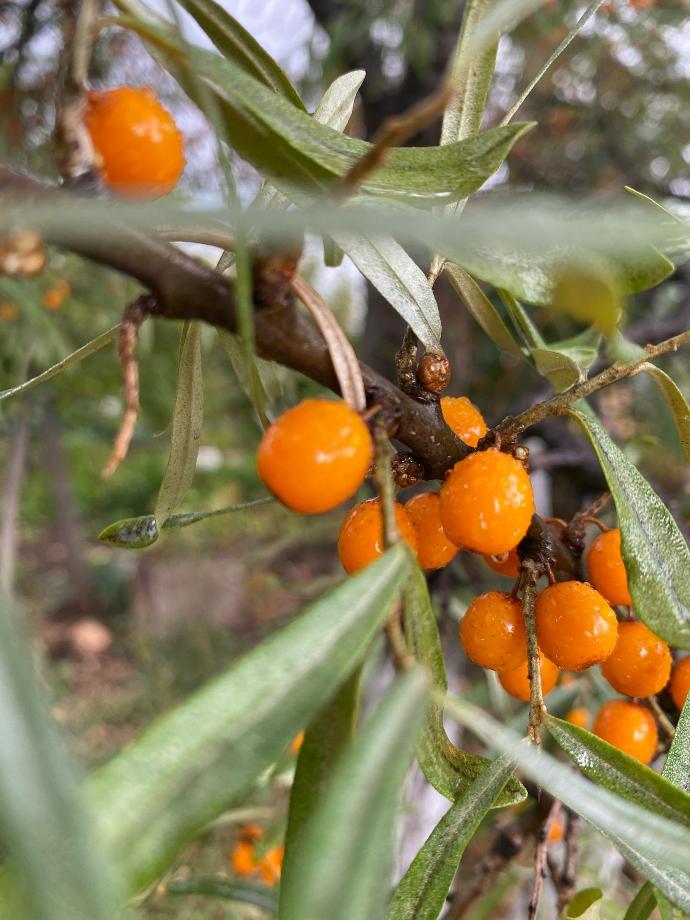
(187, 290)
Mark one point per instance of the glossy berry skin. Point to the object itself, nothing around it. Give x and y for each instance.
(680, 682)
(492, 632)
(139, 145)
(516, 682)
(361, 535)
(606, 568)
(629, 727)
(507, 564)
(434, 549)
(579, 716)
(576, 627)
(487, 502)
(315, 456)
(640, 663)
(464, 419)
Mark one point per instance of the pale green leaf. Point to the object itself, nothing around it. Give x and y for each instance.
(267, 372)
(676, 403)
(336, 104)
(193, 763)
(677, 765)
(656, 556)
(482, 309)
(643, 904)
(585, 905)
(346, 855)
(187, 418)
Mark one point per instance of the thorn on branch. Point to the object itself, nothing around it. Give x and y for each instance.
(133, 317)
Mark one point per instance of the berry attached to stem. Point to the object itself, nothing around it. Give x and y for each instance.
(575, 625)
(361, 535)
(606, 568)
(434, 548)
(640, 664)
(629, 727)
(492, 632)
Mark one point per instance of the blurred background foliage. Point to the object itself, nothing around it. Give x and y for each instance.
(124, 634)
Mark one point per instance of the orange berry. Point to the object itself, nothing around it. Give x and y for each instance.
(434, 549)
(296, 743)
(680, 681)
(315, 456)
(516, 682)
(606, 568)
(271, 864)
(579, 716)
(629, 727)
(557, 830)
(8, 310)
(54, 297)
(139, 144)
(576, 628)
(492, 632)
(507, 564)
(251, 832)
(464, 419)
(487, 502)
(361, 535)
(640, 663)
(242, 858)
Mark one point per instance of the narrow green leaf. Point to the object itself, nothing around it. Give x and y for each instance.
(186, 425)
(659, 848)
(482, 309)
(139, 532)
(399, 279)
(218, 886)
(621, 774)
(677, 766)
(659, 581)
(585, 905)
(337, 876)
(330, 733)
(449, 770)
(266, 371)
(643, 904)
(336, 104)
(667, 910)
(59, 872)
(422, 891)
(192, 764)
(566, 363)
(94, 345)
(676, 403)
(678, 236)
(235, 43)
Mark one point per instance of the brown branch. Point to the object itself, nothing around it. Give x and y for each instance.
(530, 572)
(540, 859)
(567, 879)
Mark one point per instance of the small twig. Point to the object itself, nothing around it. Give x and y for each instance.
(529, 576)
(566, 882)
(574, 533)
(661, 717)
(540, 859)
(342, 353)
(133, 317)
(505, 848)
(512, 426)
(393, 133)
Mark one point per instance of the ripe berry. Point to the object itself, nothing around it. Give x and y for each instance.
(516, 682)
(640, 663)
(315, 456)
(464, 419)
(361, 535)
(487, 502)
(629, 727)
(434, 548)
(680, 681)
(557, 830)
(576, 628)
(140, 146)
(606, 568)
(492, 632)
(579, 716)
(507, 564)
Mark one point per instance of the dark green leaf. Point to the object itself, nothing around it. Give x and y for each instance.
(677, 765)
(217, 886)
(482, 309)
(61, 871)
(193, 763)
(643, 904)
(235, 43)
(585, 905)
(186, 424)
(449, 770)
(422, 891)
(338, 876)
(676, 403)
(659, 581)
(616, 771)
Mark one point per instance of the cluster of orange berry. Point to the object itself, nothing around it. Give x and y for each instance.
(317, 455)
(247, 862)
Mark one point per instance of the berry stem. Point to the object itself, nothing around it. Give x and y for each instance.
(661, 717)
(529, 577)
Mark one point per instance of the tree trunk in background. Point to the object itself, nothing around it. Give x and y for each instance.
(11, 497)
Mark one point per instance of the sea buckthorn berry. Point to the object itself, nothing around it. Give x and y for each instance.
(434, 549)
(606, 568)
(579, 716)
(315, 456)
(640, 663)
(680, 681)
(576, 627)
(629, 727)
(137, 140)
(361, 535)
(271, 864)
(507, 564)
(516, 682)
(487, 502)
(557, 830)
(463, 418)
(492, 632)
